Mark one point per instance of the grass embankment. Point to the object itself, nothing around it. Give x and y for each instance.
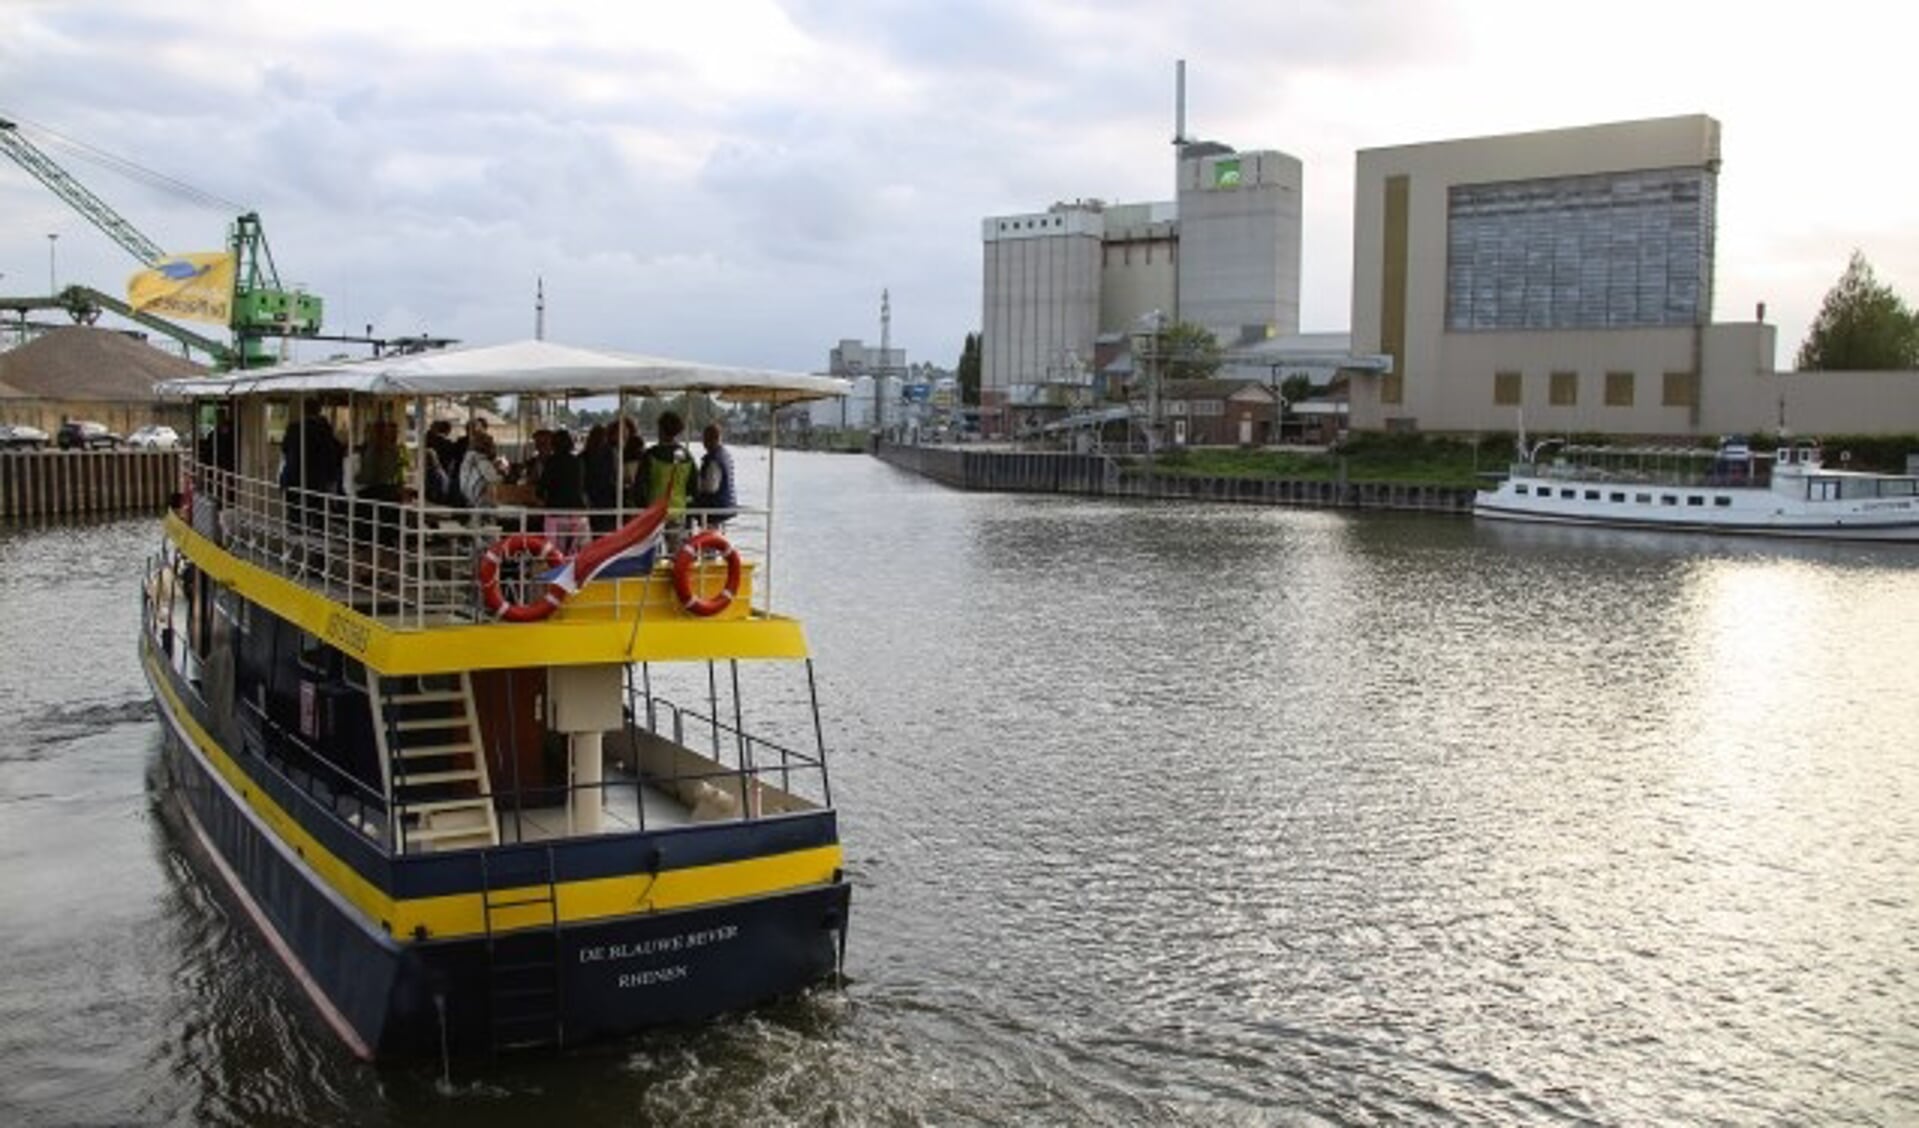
(1406, 459)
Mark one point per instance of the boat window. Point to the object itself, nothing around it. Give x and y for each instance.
(1592, 495)
(1695, 499)
(1668, 499)
(1899, 487)
(1642, 499)
(1521, 490)
(1568, 493)
(1616, 496)
(1722, 501)
(316, 658)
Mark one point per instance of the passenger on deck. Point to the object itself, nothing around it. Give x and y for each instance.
(217, 455)
(440, 444)
(382, 469)
(562, 486)
(381, 477)
(480, 472)
(715, 495)
(667, 465)
(311, 458)
(601, 474)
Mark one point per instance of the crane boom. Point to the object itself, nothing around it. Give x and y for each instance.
(29, 157)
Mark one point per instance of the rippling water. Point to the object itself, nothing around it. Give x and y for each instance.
(1156, 813)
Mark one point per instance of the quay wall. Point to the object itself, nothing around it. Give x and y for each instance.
(1097, 475)
(73, 483)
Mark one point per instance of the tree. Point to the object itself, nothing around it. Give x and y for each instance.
(969, 371)
(1188, 352)
(1862, 326)
(1296, 388)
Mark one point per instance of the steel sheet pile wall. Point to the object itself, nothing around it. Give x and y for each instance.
(1023, 472)
(80, 483)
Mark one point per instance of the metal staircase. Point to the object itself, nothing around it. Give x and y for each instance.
(428, 733)
(523, 949)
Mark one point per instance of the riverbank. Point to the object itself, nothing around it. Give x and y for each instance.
(1099, 475)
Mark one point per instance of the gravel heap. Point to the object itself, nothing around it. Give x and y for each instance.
(83, 363)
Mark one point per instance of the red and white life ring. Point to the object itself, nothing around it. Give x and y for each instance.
(688, 557)
(488, 574)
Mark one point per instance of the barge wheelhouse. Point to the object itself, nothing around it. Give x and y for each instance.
(456, 829)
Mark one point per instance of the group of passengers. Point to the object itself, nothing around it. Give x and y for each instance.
(590, 479)
(469, 472)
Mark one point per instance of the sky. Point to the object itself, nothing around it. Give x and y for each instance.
(737, 181)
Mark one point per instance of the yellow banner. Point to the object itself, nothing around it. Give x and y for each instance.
(198, 287)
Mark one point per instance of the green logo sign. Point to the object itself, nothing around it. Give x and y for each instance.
(1226, 174)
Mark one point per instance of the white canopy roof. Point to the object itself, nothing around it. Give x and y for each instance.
(522, 368)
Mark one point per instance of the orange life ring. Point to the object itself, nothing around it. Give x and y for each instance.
(488, 574)
(688, 556)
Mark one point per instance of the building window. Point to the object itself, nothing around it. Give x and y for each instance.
(1392, 388)
(1618, 389)
(1602, 251)
(1506, 389)
(1681, 390)
(1565, 389)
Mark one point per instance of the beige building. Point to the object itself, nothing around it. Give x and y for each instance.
(1568, 275)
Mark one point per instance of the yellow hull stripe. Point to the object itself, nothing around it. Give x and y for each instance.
(591, 637)
(463, 914)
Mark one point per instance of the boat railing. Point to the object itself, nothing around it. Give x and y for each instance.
(334, 790)
(412, 564)
(737, 757)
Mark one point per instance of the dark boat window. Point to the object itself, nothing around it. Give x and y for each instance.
(1722, 501)
(1568, 493)
(1592, 495)
(1668, 499)
(317, 659)
(1642, 499)
(1616, 496)
(1519, 489)
(1695, 499)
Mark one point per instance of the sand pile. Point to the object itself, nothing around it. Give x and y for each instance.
(82, 363)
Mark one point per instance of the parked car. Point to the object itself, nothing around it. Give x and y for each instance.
(85, 435)
(19, 436)
(155, 436)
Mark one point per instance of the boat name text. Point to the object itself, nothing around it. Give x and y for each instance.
(641, 949)
(347, 633)
(655, 975)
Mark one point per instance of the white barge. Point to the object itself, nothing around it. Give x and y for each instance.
(1790, 493)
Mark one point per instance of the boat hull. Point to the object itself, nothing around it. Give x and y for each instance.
(562, 983)
(1740, 513)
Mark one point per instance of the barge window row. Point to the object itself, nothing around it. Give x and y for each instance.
(1618, 498)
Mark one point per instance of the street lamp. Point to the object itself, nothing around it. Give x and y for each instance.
(53, 276)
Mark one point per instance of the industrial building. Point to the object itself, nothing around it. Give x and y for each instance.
(1565, 278)
(1560, 279)
(1065, 289)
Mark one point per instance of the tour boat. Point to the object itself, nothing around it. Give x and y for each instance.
(489, 778)
(1790, 493)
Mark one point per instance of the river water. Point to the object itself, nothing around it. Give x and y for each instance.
(1156, 813)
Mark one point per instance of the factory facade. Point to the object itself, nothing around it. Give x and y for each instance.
(1562, 278)
(1066, 289)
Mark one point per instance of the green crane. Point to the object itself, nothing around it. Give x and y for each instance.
(261, 308)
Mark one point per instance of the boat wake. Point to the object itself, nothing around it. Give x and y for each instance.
(40, 733)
